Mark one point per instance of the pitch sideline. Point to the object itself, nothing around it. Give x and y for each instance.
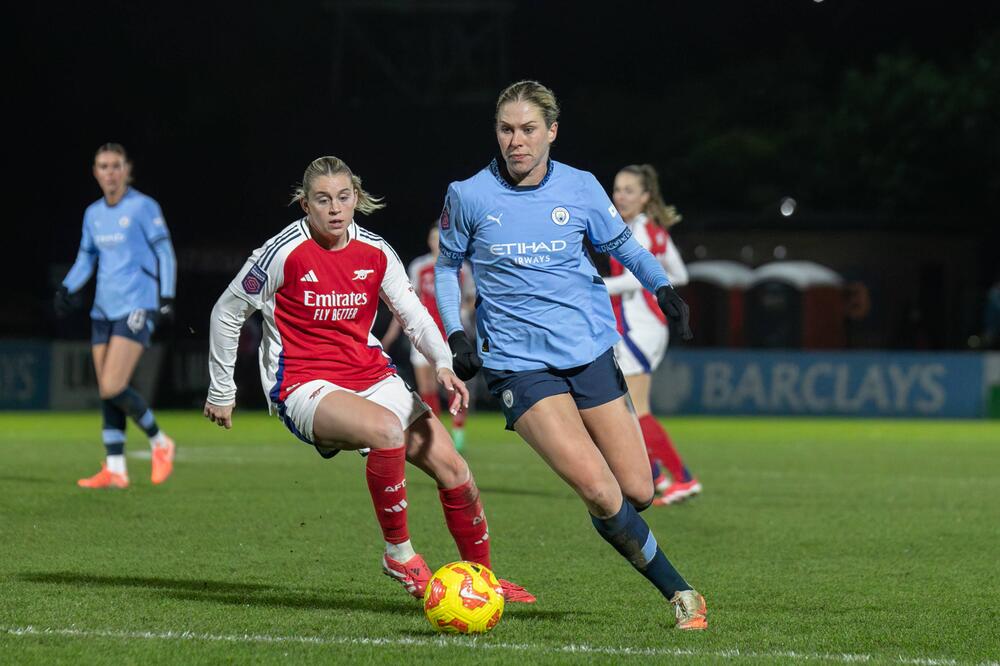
(473, 644)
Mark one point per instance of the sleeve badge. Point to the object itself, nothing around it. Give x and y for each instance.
(445, 221)
(253, 281)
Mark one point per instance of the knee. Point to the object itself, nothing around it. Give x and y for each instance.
(386, 432)
(602, 498)
(639, 492)
(111, 391)
(452, 472)
(640, 503)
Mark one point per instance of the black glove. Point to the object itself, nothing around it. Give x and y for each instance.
(65, 303)
(165, 315)
(465, 360)
(676, 309)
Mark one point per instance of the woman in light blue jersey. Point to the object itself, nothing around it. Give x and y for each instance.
(545, 329)
(126, 239)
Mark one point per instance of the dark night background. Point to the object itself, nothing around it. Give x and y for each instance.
(878, 118)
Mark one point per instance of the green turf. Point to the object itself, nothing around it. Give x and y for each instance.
(814, 539)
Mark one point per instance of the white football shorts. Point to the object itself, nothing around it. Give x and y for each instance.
(641, 349)
(391, 393)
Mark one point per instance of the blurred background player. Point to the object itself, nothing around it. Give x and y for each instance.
(643, 328)
(318, 283)
(126, 239)
(545, 328)
(421, 272)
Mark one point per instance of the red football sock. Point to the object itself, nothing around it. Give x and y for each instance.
(384, 471)
(433, 401)
(659, 446)
(463, 512)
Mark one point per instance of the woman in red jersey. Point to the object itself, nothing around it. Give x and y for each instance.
(642, 326)
(317, 284)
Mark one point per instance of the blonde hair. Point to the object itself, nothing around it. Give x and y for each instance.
(664, 215)
(332, 166)
(118, 148)
(533, 92)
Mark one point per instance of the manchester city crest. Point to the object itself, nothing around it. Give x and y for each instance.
(560, 215)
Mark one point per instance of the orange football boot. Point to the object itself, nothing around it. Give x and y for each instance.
(163, 461)
(104, 479)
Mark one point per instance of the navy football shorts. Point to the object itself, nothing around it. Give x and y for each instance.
(137, 326)
(590, 385)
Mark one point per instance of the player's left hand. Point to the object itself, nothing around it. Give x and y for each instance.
(456, 388)
(676, 310)
(464, 357)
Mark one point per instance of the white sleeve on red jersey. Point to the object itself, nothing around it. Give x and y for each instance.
(228, 316)
(252, 289)
(413, 272)
(399, 295)
(677, 272)
(264, 272)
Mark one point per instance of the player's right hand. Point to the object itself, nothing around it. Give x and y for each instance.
(465, 360)
(64, 303)
(166, 312)
(221, 415)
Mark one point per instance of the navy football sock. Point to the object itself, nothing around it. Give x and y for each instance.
(631, 536)
(130, 402)
(113, 430)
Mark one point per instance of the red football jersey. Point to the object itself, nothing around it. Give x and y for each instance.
(319, 307)
(640, 306)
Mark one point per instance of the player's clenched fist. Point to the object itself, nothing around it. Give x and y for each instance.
(221, 415)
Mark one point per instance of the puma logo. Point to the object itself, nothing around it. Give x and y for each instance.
(495, 218)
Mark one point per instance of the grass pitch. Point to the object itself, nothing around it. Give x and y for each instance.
(814, 541)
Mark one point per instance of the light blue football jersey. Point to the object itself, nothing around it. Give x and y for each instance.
(130, 245)
(540, 302)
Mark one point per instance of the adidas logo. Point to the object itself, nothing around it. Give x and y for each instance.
(396, 508)
(309, 277)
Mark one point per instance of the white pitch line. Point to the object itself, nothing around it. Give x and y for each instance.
(474, 644)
